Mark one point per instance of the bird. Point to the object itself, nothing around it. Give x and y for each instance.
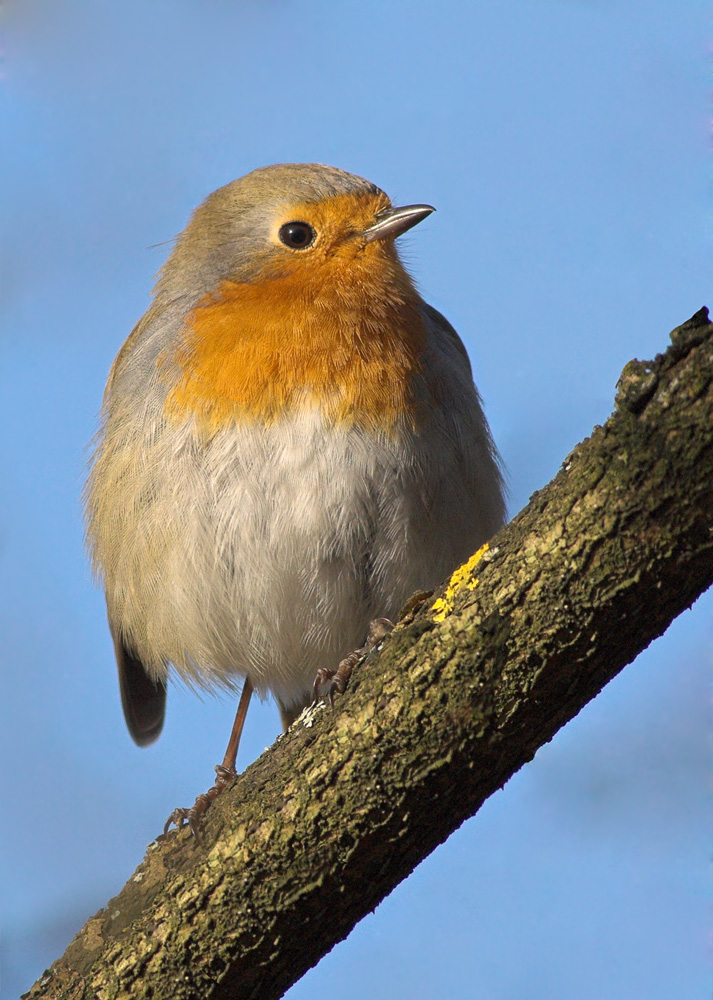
(290, 445)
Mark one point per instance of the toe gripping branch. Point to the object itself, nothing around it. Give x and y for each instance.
(338, 679)
(225, 772)
(225, 777)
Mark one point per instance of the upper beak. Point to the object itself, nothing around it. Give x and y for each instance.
(394, 221)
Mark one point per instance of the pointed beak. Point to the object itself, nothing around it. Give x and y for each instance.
(395, 221)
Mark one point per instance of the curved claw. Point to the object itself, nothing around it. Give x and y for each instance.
(178, 817)
(323, 675)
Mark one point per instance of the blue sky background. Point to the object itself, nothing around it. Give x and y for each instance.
(565, 146)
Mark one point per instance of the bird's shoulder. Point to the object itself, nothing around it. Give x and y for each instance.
(446, 340)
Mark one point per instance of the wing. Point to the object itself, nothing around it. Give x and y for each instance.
(143, 699)
(444, 327)
(479, 462)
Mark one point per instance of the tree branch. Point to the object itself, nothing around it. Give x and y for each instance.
(343, 807)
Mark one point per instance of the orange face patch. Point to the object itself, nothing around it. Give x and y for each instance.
(334, 220)
(340, 329)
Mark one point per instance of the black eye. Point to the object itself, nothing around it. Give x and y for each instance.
(297, 235)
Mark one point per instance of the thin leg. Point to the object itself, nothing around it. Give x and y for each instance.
(339, 678)
(231, 751)
(225, 772)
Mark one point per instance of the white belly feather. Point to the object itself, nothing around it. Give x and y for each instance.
(268, 552)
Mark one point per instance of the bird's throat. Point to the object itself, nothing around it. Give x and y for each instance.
(349, 343)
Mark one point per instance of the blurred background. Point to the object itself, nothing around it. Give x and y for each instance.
(565, 146)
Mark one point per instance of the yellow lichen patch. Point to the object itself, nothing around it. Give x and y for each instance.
(461, 579)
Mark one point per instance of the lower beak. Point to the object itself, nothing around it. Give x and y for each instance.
(395, 221)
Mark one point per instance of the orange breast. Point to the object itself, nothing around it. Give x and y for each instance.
(347, 337)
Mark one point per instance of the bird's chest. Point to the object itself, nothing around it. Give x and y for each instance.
(256, 354)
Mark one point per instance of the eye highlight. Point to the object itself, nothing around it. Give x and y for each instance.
(297, 235)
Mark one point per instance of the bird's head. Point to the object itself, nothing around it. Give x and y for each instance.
(294, 296)
(300, 219)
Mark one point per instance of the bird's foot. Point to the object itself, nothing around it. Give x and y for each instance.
(225, 777)
(339, 678)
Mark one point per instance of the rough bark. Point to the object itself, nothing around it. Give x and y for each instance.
(343, 807)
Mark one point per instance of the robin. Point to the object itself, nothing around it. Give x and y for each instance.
(291, 445)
